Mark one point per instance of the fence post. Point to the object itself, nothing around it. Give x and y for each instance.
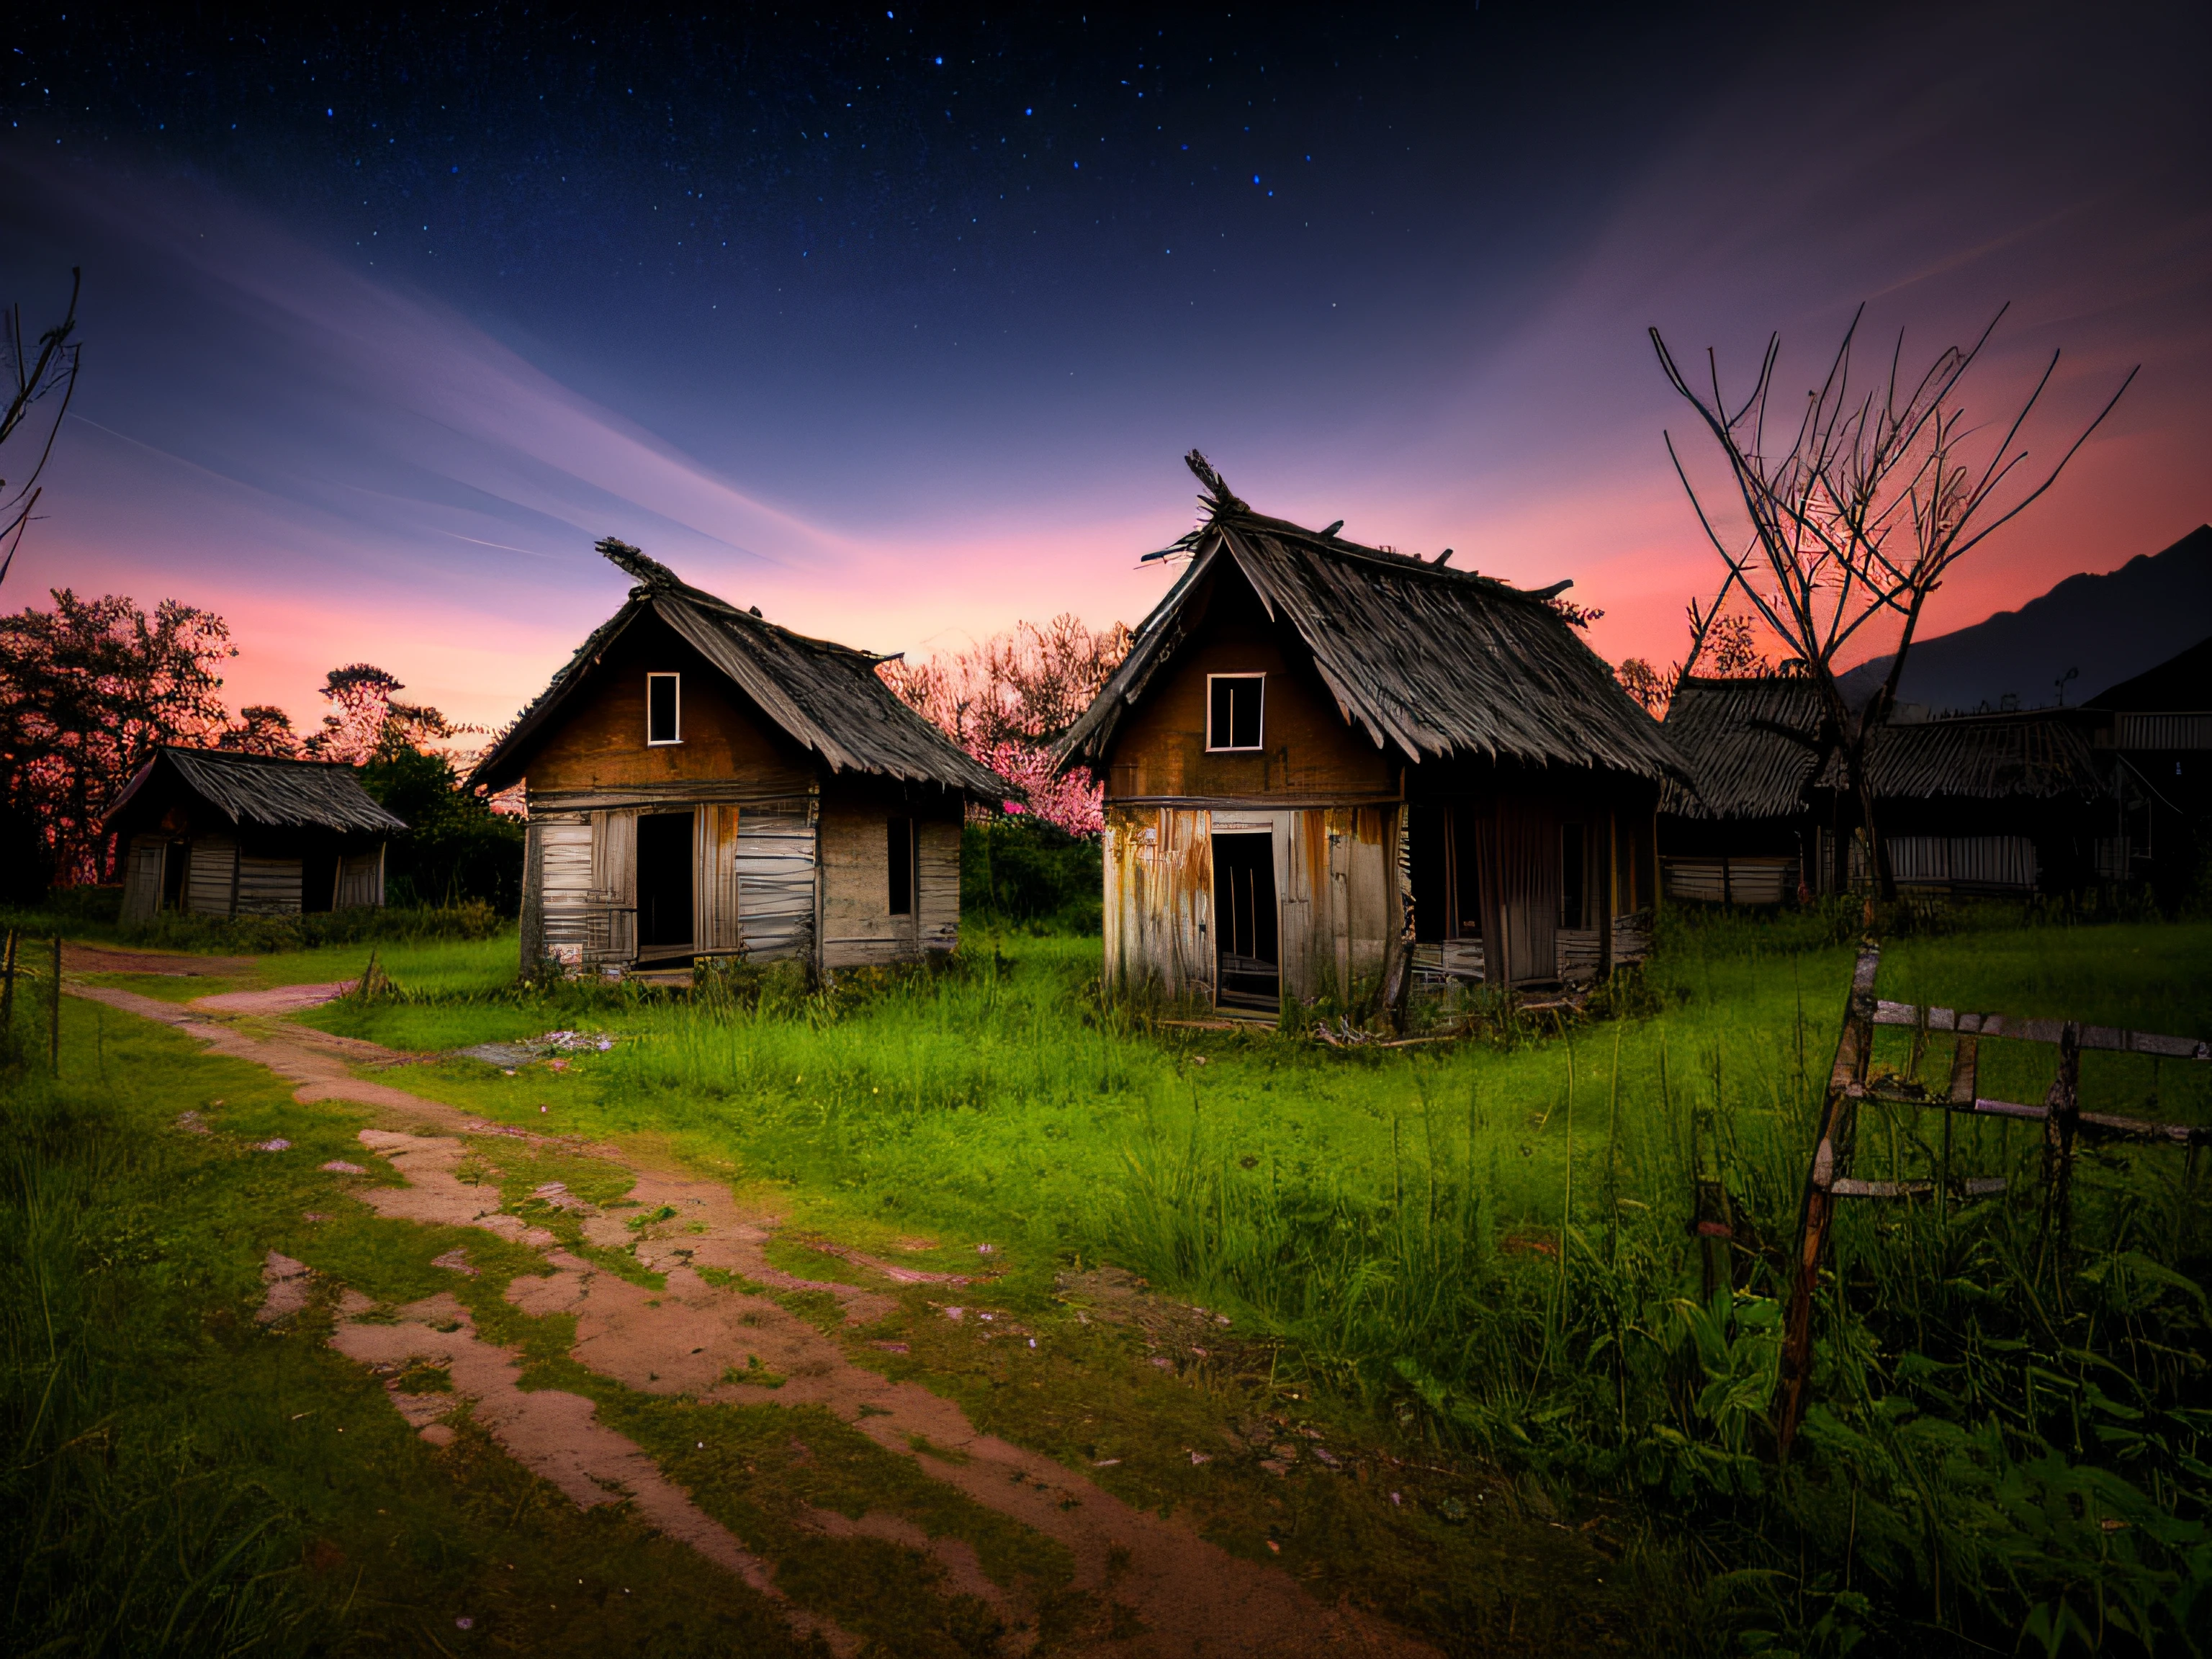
(2059, 1124)
(1831, 1161)
(7, 989)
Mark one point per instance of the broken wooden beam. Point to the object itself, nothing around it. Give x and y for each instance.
(2113, 1038)
(2097, 1126)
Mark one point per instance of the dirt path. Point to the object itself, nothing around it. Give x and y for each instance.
(78, 958)
(1191, 1597)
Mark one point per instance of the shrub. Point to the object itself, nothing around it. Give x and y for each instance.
(1024, 870)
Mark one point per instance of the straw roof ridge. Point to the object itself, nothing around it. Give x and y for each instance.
(2039, 756)
(1431, 661)
(1751, 745)
(826, 696)
(268, 789)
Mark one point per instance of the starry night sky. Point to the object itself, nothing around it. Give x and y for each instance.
(896, 321)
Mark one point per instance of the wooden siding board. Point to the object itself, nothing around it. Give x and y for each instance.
(141, 881)
(720, 928)
(610, 929)
(211, 877)
(565, 884)
(776, 872)
(360, 880)
(268, 886)
(937, 884)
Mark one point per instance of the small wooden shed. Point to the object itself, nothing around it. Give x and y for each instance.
(1329, 767)
(701, 782)
(224, 834)
(1743, 828)
(2005, 803)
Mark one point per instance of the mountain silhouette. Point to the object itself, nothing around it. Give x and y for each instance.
(2108, 629)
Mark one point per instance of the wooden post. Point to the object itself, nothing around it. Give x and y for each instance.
(54, 1027)
(1965, 1064)
(1608, 900)
(1832, 1159)
(8, 998)
(2063, 1118)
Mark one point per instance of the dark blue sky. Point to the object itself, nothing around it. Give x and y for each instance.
(899, 319)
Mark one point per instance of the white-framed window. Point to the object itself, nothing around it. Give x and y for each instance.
(1235, 711)
(664, 709)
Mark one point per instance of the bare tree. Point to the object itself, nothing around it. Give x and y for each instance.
(47, 378)
(1878, 494)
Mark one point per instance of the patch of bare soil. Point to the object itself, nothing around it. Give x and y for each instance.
(282, 999)
(1186, 1596)
(554, 1435)
(121, 959)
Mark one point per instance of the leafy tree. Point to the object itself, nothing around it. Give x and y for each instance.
(87, 690)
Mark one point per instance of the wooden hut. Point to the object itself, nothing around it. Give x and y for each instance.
(700, 782)
(1336, 769)
(2155, 733)
(222, 834)
(1741, 828)
(2009, 803)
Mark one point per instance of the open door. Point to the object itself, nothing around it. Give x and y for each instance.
(665, 861)
(1248, 952)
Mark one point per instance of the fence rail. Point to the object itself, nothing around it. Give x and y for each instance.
(1830, 1177)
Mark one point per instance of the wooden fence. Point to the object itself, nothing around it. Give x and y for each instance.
(2064, 1125)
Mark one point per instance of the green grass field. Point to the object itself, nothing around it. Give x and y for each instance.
(1486, 1246)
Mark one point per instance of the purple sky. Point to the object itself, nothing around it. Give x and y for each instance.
(370, 382)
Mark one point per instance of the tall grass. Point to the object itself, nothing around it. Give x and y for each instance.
(129, 1529)
(1494, 1245)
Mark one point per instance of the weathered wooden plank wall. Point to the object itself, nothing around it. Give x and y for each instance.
(776, 872)
(211, 877)
(268, 886)
(719, 929)
(858, 929)
(142, 879)
(361, 879)
(937, 884)
(564, 871)
(610, 927)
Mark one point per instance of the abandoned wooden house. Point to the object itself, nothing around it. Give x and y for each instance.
(2154, 733)
(1338, 769)
(224, 834)
(1742, 829)
(2010, 803)
(700, 782)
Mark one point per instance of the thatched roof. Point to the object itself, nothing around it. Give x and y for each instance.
(1748, 745)
(2035, 756)
(1430, 661)
(826, 697)
(1752, 749)
(263, 789)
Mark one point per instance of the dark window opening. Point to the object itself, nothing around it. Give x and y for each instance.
(664, 881)
(1467, 874)
(899, 859)
(1572, 878)
(1246, 947)
(1429, 854)
(177, 858)
(1232, 713)
(663, 711)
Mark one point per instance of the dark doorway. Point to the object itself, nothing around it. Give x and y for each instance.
(1247, 954)
(176, 860)
(319, 878)
(664, 881)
